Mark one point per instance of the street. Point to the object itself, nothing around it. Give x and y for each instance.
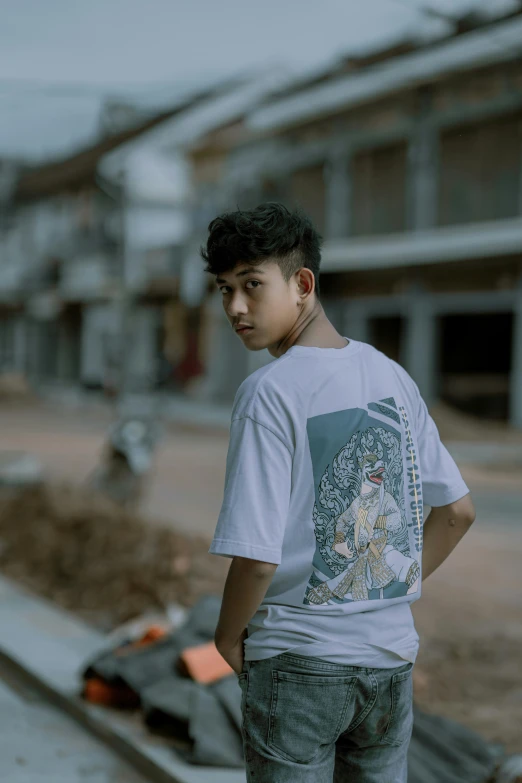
(39, 743)
(186, 486)
(469, 618)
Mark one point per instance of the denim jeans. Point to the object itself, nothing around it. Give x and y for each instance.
(305, 720)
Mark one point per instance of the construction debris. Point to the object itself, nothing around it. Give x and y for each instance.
(105, 563)
(206, 711)
(110, 566)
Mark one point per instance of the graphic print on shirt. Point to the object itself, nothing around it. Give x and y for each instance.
(365, 546)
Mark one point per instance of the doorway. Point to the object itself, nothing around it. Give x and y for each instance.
(386, 335)
(475, 363)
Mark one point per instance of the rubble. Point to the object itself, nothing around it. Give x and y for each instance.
(110, 566)
(107, 564)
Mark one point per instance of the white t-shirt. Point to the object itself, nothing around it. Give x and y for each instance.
(332, 456)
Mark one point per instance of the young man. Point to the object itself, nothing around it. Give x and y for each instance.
(332, 455)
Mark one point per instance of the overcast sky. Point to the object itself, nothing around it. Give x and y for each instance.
(57, 57)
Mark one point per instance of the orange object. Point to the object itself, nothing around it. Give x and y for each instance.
(98, 691)
(152, 635)
(204, 664)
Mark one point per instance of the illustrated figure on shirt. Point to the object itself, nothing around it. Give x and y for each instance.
(361, 536)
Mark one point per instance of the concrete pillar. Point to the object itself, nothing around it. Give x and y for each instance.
(20, 344)
(334, 311)
(142, 366)
(419, 349)
(30, 349)
(355, 322)
(338, 195)
(100, 346)
(193, 279)
(515, 399)
(423, 153)
(62, 352)
(520, 171)
(91, 371)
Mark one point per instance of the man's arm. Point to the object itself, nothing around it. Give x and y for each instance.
(443, 529)
(246, 586)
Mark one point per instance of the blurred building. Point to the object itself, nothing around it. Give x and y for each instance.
(163, 267)
(99, 282)
(62, 267)
(408, 160)
(410, 163)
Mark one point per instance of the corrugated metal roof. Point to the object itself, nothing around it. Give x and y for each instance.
(493, 44)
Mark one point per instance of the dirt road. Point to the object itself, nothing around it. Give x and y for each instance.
(469, 618)
(186, 488)
(38, 742)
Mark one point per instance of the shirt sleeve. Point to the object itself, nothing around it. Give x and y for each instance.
(441, 480)
(257, 491)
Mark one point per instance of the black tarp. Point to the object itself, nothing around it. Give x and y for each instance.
(208, 717)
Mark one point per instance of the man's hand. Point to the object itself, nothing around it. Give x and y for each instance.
(233, 653)
(245, 588)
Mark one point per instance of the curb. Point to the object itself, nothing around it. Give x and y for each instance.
(49, 648)
(173, 407)
(176, 408)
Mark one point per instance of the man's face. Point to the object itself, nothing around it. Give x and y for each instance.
(259, 297)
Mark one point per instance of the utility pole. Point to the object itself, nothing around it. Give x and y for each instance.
(8, 176)
(125, 300)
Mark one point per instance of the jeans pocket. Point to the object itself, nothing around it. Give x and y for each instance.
(400, 705)
(307, 712)
(243, 684)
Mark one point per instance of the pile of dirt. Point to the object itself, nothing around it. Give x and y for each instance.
(468, 668)
(475, 682)
(110, 566)
(90, 556)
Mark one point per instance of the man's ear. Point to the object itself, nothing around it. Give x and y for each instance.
(305, 281)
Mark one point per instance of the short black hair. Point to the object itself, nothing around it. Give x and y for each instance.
(270, 231)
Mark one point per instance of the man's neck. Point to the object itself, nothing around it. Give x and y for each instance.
(312, 330)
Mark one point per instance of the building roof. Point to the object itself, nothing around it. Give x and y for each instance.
(184, 129)
(494, 43)
(79, 170)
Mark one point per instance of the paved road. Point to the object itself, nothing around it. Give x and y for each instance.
(498, 507)
(186, 487)
(39, 744)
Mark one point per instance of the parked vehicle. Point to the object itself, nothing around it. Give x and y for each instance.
(127, 459)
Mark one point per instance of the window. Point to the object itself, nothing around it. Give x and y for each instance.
(379, 191)
(480, 172)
